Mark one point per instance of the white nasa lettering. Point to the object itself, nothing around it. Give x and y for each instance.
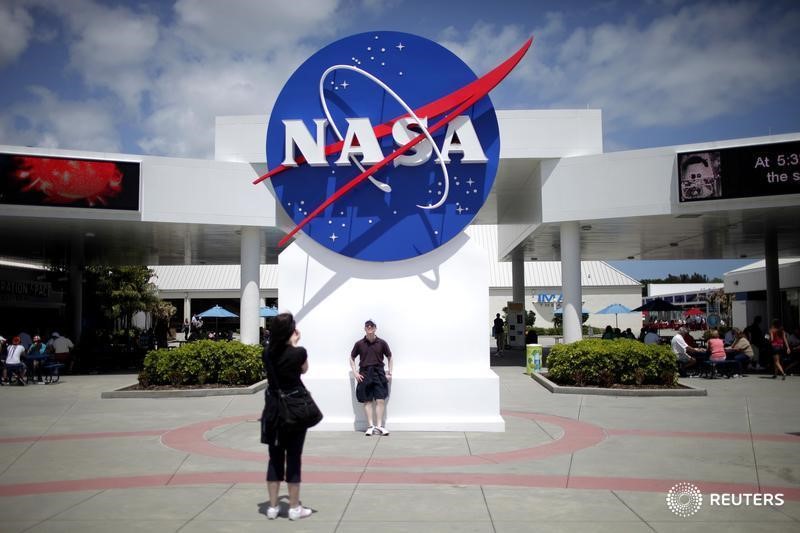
(403, 134)
(360, 129)
(298, 135)
(468, 143)
(360, 140)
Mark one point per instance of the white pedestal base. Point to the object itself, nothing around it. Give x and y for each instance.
(416, 403)
(432, 312)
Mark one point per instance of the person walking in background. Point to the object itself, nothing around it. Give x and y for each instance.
(779, 344)
(187, 328)
(284, 362)
(497, 331)
(61, 347)
(372, 388)
(756, 337)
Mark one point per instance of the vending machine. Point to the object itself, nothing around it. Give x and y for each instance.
(515, 320)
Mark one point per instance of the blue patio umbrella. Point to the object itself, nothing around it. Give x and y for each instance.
(266, 312)
(216, 313)
(614, 309)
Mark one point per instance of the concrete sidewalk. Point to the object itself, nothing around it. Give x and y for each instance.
(73, 462)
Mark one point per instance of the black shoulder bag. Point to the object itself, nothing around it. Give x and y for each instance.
(296, 408)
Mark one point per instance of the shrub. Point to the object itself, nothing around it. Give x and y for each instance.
(225, 362)
(597, 362)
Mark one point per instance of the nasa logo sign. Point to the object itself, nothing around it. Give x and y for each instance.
(383, 146)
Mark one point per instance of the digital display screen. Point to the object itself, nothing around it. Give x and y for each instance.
(65, 182)
(741, 172)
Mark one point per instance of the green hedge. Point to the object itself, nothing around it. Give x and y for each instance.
(603, 363)
(201, 362)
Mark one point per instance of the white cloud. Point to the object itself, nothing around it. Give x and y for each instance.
(111, 47)
(16, 25)
(52, 122)
(703, 61)
(699, 60)
(381, 6)
(260, 27)
(226, 59)
(488, 45)
(187, 99)
(216, 58)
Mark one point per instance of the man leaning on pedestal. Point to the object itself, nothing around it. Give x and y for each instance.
(373, 382)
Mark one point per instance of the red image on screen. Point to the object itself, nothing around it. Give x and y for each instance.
(64, 181)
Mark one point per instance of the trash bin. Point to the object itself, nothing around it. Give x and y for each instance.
(533, 358)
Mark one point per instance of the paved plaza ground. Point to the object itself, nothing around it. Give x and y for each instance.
(70, 461)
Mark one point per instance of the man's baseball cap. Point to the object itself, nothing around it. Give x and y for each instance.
(369, 324)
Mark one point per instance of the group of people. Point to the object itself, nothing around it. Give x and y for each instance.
(692, 323)
(742, 346)
(193, 330)
(615, 333)
(285, 362)
(23, 357)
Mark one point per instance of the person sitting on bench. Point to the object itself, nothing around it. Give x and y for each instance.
(682, 351)
(14, 365)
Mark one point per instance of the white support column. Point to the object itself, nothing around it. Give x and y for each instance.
(76, 288)
(250, 291)
(571, 280)
(772, 274)
(518, 276)
(187, 307)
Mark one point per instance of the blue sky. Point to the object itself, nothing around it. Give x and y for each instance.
(148, 77)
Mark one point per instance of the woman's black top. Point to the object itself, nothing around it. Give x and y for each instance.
(288, 366)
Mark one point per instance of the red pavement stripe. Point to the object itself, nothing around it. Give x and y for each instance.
(397, 478)
(84, 436)
(74, 485)
(577, 436)
(705, 435)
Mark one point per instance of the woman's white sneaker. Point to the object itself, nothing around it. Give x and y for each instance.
(299, 512)
(370, 431)
(272, 512)
(380, 430)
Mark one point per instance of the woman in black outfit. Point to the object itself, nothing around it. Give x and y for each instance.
(284, 362)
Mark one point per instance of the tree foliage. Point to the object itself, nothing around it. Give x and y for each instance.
(678, 278)
(121, 292)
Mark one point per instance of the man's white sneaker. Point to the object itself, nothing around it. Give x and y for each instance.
(381, 430)
(370, 431)
(272, 512)
(299, 512)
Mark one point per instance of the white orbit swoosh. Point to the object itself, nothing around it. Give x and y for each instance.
(383, 186)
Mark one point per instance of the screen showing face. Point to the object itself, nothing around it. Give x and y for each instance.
(739, 172)
(65, 182)
(699, 176)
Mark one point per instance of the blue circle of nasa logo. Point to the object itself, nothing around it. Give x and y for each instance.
(382, 146)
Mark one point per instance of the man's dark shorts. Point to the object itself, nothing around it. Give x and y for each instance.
(375, 386)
